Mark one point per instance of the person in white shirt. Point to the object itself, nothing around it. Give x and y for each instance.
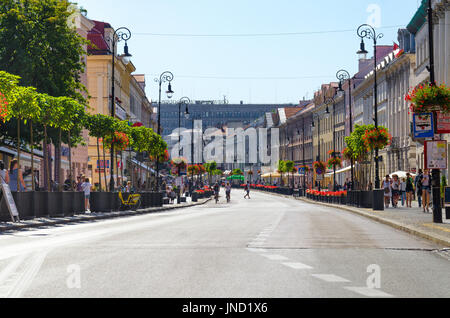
(87, 186)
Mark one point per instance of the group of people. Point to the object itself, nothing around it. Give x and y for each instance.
(406, 189)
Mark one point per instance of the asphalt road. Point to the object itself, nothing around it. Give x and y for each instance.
(260, 248)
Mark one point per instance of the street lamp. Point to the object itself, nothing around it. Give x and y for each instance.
(183, 101)
(165, 77)
(343, 76)
(367, 31)
(332, 101)
(121, 34)
(326, 114)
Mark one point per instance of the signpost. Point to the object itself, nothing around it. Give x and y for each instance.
(436, 155)
(9, 200)
(423, 125)
(443, 123)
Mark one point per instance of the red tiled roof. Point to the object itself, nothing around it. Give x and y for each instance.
(97, 37)
(290, 112)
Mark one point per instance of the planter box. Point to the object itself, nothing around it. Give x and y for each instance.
(24, 203)
(68, 199)
(366, 199)
(55, 204)
(194, 197)
(100, 201)
(40, 204)
(183, 199)
(78, 203)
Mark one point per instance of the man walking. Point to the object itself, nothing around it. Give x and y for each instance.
(418, 186)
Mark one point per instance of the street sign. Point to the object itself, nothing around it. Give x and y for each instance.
(9, 200)
(423, 125)
(443, 123)
(301, 171)
(436, 154)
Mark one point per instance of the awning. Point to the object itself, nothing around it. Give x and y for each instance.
(401, 174)
(142, 166)
(271, 175)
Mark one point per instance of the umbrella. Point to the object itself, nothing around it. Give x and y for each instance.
(402, 174)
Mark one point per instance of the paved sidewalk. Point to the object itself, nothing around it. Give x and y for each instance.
(412, 221)
(84, 218)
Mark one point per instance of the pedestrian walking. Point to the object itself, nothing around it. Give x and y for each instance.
(409, 190)
(396, 187)
(247, 190)
(87, 187)
(426, 191)
(403, 191)
(387, 192)
(4, 173)
(419, 189)
(16, 176)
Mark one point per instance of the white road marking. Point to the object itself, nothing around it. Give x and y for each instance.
(331, 278)
(297, 266)
(256, 250)
(369, 292)
(11, 269)
(276, 257)
(15, 278)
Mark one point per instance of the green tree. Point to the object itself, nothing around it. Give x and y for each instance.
(41, 46)
(99, 127)
(281, 168)
(210, 167)
(289, 168)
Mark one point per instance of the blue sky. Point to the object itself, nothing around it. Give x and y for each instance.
(254, 69)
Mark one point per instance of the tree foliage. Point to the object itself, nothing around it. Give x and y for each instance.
(40, 46)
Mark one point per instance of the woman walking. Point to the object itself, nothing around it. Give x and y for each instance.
(16, 177)
(4, 173)
(395, 190)
(387, 192)
(409, 190)
(426, 191)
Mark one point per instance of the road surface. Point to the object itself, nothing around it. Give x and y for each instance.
(260, 248)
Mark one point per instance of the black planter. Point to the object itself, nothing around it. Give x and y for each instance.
(378, 200)
(55, 204)
(78, 203)
(194, 197)
(183, 199)
(4, 212)
(68, 203)
(115, 202)
(366, 199)
(24, 204)
(447, 213)
(40, 204)
(99, 201)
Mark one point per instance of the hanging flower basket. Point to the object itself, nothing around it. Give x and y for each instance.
(334, 162)
(347, 154)
(120, 141)
(193, 170)
(377, 139)
(428, 98)
(320, 167)
(180, 163)
(163, 159)
(3, 107)
(331, 152)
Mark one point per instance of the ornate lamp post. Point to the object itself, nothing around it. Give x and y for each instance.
(367, 31)
(165, 77)
(121, 34)
(327, 102)
(313, 127)
(183, 101)
(343, 76)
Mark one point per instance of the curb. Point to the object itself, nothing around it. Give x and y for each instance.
(405, 228)
(82, 218)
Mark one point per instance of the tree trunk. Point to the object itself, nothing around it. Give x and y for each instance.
(47, 161)
(18, 153)
(58, 175)
(98, 166)
(70, 165)
(104, 165)
(33, 185)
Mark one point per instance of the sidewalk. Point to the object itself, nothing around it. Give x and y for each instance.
(412, 221)
(84, 218)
